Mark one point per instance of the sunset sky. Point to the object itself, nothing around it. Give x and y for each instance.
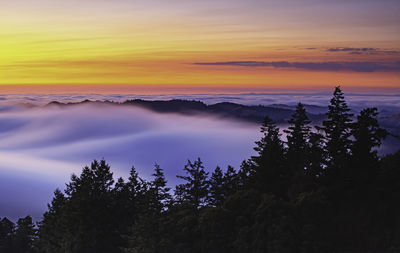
(123, 45)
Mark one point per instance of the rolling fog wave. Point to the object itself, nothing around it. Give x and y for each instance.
(41, 147)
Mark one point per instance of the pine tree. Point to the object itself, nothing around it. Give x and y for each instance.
(7, 230)
(24, 235)
(367, 136)
(52, 228)
(246, 174)
(316, 156)
(270, 175)
(298, 134)
(89, 213)
(122, 212)
(159, 190)
(136, 189)
(195, 191)
(337, 130)
(230, 182)
(217, 194)
(137, 186)
(147, 230)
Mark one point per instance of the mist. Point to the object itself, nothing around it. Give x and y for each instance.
(41, 147)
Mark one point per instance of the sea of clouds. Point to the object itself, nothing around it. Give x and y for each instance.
(41, 146)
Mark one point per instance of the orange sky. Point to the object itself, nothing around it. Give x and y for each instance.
(107, 46)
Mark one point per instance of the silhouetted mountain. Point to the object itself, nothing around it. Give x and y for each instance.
(254, 113)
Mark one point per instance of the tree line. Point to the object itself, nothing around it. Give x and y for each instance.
(319, 189)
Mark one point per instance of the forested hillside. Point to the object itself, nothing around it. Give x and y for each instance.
(314, 191)
(250, 113)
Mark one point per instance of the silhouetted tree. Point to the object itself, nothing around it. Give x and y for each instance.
(136, 190)
(337, 129)
(217, 195)
(367, 136)
(148, 229)
(7, 230)
(317, 156)
(24, 235)
(195, 191)
(298, 134)
(246, 175)
(270, 174)
(230, 181)
(89, 213)
(298, 153)
(52, 229)
(159, 190)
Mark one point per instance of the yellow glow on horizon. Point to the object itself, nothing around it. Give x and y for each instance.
(78, 44)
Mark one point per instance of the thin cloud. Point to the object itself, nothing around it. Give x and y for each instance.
(313, 66)
(351, 49)
(362, 50)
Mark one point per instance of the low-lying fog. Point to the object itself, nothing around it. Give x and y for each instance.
(40, 147)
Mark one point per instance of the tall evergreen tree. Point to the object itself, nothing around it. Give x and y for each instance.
(139, 212)
(367, 136)
(195, 191)
(137, 186)
(337, 130)
(298, 134)
(217, 194)
(316, 156)
(246, 174)
(24, 235)
(52, 228)
(89, 213)
(298, 160)
(230, 181)
(270, 175)
(7, 230)
(147, 230)
(136, 190)
(159, 190)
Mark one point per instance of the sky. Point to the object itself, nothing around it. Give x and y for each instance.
(130, 46)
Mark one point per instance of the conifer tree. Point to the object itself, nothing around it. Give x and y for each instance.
(298, 134)
(24, 235)
(52, 227)
(89, 213)
(147, 230)
(135, 210)
(298, 153)
(217, 194)
(367, 136)
(337, 129)
(7, 230)
(195, 191)
(246, 174)
(270, 175)
(316, 156)
(159, 190)
(136, 185)
(231, 181)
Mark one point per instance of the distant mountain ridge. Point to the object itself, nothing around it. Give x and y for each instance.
(250, 113)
